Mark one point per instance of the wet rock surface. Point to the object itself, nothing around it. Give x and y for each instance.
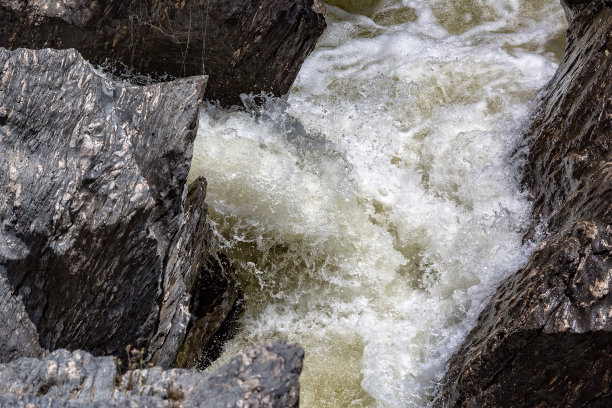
(244, 46)
(545, 338)
(255, 46)
(215, 307)
(100, 242)
(259, 376)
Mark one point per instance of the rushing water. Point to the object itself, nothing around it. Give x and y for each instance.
(372, 214)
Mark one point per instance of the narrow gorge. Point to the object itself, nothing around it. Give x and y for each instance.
(275, 203)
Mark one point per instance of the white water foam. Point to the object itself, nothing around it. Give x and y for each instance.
(372, 214)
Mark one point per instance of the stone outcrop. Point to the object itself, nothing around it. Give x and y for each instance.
(101, 244)
(260, 376)
(545, 338)
(244, 46)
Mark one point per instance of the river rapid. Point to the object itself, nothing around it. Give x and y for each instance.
(373, 213)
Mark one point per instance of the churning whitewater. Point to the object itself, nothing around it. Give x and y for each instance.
(373, 213)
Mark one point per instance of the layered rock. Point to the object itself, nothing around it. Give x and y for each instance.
(245, 46)
(215, 307)
(545, 338)
(260, 376)
(101, 244)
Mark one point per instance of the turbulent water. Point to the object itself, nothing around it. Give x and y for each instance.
(372, 214)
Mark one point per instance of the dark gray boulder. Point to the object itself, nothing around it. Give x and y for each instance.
(574, 7)
(18, 336)
(259, 376)
(545, 338)
(100, 242)
(246, 46)
(255, 46)
(215, 307)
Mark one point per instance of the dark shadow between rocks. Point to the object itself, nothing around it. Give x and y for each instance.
(216, 306)
(51, 284)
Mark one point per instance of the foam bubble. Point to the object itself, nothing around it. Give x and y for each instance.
(373, 214)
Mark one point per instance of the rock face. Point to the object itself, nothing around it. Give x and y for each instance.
(545, 339)
(261, 376)
(253, 46)
(100, 242)
(245, 46)
(215, 307)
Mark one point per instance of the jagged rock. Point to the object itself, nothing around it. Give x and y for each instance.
(100, 244)
(545, 339)
(246, 46)
(573, 7)
(259, 376)
(18, 336)
(215, 307)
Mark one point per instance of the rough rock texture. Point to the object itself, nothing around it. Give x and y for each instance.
(100, 244)
(545, 339)
(258, 45)
(18, 336)
(187, 261)
(574, 7)
(260, 376)
(215, 306)
(246, 46)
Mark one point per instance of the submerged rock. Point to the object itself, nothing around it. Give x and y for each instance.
(100, 242)
(245, 46)
(259, 376)
(545, 339)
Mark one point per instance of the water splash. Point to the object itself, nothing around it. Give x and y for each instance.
(373, 213)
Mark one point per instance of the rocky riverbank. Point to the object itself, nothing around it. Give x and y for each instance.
(103, 245)
(545, 338)
(261, 376)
